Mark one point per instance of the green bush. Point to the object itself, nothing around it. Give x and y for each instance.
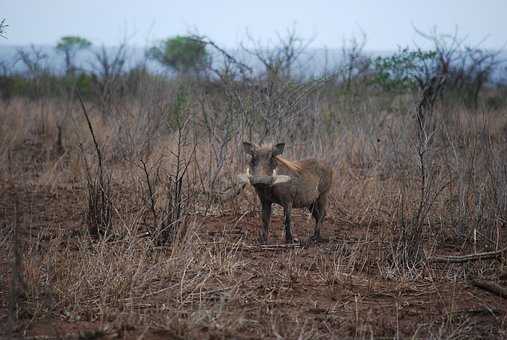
(404, 70)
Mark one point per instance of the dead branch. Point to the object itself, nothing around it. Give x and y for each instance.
(150, 191)
(3, 27)
(85, 112)
(490, 286)
(467, 258)
(99, 188)
(273, 247)
(243, 68)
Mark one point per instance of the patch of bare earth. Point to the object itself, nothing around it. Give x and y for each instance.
(219, 283)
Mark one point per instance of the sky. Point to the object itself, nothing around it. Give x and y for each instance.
(387, 24)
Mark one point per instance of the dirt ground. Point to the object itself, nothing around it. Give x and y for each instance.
(279, 292)
(339, 288)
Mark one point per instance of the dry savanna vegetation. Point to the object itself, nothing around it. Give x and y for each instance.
(121, 216)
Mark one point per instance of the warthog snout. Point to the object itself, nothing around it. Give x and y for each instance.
(266, 180)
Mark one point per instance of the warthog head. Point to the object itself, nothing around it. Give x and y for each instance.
(262, 167)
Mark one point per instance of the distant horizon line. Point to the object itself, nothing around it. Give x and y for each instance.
(137, 46)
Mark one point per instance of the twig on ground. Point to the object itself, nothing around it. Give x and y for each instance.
(467, 258)
(270, 246)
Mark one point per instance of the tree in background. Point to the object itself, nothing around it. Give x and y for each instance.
(3, 26)
(70, 46)
(406, 69)
(469, 67)
(184, 54)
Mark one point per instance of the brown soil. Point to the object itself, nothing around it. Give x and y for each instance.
(272, 298)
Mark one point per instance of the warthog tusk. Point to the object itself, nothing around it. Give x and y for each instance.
(278, 179)
(245, 178)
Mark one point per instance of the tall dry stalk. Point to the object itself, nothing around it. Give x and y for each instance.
(99, 188)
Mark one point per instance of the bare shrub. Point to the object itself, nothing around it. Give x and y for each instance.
(171, 220)
(407, 249)
(108, 71)
(355, 63)
(99, 189)
(469, 68)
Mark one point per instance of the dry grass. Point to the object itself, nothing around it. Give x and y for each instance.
(213, 281)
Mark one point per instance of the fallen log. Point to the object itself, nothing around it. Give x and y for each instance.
(467, 258)
(491, 286)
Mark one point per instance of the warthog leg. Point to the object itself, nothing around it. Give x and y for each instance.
(287, 210)
(318, 210)
(266, 221)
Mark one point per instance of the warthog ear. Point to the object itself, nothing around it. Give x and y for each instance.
(249, 148)
(278, 149)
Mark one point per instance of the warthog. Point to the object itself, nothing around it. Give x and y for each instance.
(291, 184)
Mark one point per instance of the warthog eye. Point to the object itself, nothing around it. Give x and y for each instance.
(253, 162)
